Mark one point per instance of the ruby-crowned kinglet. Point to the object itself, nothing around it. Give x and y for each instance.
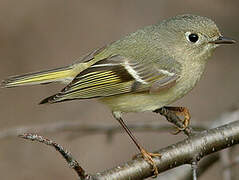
(143, 71)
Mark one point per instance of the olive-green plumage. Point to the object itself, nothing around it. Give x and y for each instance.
(144, 70)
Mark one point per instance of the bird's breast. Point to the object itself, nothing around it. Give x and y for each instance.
(191, 74)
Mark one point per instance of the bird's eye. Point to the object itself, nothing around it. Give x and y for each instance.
(192, 37)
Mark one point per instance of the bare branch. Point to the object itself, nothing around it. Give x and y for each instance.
(174, 157)
(205, 163)
(65, 154)
(83, 129)
(184, 152)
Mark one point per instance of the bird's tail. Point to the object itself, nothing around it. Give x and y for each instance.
(42, 77)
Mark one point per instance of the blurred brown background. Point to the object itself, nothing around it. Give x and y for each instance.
(42, 34)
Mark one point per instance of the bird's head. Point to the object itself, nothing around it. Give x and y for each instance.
(192, 37)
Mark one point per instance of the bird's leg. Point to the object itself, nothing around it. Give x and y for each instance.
(179, 111)
(145, 154)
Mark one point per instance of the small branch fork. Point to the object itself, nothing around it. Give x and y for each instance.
(195, 147)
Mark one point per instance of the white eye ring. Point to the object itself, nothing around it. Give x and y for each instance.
(192, 37)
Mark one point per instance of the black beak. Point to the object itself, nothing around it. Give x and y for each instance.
(223, 40)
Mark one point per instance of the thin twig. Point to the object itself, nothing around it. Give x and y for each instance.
(65, 154)
(194, 169)
(203, 166)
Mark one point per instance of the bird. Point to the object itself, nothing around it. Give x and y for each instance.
(143, 71)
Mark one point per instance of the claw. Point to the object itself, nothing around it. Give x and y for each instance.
(181, 111)
(177, 131)
(149, 158)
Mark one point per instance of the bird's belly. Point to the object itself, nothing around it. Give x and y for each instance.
(139, 102)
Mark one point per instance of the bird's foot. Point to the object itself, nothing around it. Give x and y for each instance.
(181, 111)
(148, 157)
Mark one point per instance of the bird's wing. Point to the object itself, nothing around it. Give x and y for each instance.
(116, 75)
